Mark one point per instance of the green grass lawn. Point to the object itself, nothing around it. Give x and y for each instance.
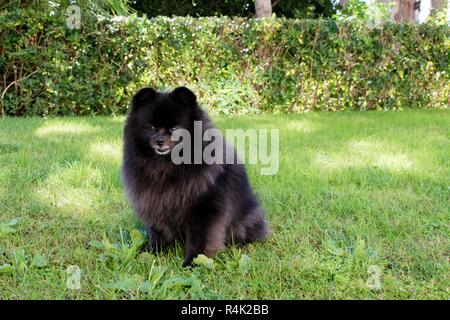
(356, 193)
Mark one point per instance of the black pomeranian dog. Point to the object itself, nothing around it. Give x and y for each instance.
(206, 206)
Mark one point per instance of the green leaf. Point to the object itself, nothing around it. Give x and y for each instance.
(146, 287)
(39, 261)
(244, 262)
(156, 273)
(96, 244)
(20, 257)
(202, 260)
(334, 249)
(103, 258)
(7, 269)
(126, 282)
(137, 239)
(8, 227)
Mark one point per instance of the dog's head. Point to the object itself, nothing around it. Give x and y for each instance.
(155, 116)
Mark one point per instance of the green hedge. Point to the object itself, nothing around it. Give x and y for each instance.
(235, 65)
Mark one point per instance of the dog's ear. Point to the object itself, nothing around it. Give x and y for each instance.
(184, 96)
(143, 97)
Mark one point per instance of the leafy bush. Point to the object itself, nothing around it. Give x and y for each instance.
(236, 65)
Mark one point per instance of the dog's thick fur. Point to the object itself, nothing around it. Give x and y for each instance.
(205, 206)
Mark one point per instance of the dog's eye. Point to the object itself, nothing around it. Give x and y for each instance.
(151, 127)
(173, 129)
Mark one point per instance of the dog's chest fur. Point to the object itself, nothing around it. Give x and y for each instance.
(160, 198)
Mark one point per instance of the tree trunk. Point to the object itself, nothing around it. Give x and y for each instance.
(263, 8)
(405, 11)
(436, 6)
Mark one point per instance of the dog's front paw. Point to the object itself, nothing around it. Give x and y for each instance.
(188, 262)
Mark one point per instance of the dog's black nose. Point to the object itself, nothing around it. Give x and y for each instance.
(160, 141)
